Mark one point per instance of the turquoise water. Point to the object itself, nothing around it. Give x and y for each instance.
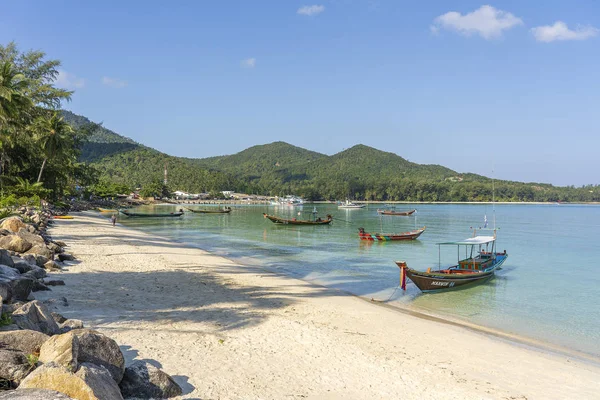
(547, 289)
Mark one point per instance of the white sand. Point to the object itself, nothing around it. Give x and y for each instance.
(227, 331)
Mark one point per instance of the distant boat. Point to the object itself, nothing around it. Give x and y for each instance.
(478, 267)
(134, 214)
(294, 221)
(411, 235)
(204, 211)
(290, 201)
(107, 210)
(349, 205)
(392, 212)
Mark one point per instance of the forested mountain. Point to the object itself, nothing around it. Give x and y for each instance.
(279, 168)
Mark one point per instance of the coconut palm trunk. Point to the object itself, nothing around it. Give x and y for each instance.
(42, 169)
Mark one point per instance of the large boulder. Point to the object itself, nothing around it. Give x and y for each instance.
(62, 350)
(40, 250)
(36, 272)
(34, 394)
(70, 325)
(13, 224)
(35, 316)
(52, 266)
(98, 349)
(66, 257)
(23, 266)
(25, 340)
(15, 243)
(9, 272)
(22, 286)
(6, 291)
(145, 381)
(29, 258)
(14, 366)
(31, 238)
(55, 248)
(5, 258)
(90, 382)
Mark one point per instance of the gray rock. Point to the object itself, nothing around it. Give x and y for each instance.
(23, 266)
(36, 272)
(5, 258)
(98, 378)
(39, 286)
(52, 266)
(41, 250)
(14, 366)
(35, 316)
(10, 308)
(145, 381)
(58, 317)
(6, 290)
(29, 258)
(34, 394)
(66, 257)
(70, 325)
(55, 248)
(98, 349)
(60, 243)
(8, 328)
(55, 282)
(9, 272)
(22, 286)
(24, 340)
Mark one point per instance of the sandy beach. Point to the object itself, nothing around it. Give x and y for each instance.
(229, 331)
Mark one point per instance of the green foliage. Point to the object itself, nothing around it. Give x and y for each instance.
(155, 189)
(5, 319)
(106, 188)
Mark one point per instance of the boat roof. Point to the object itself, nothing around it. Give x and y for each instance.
(473, 240)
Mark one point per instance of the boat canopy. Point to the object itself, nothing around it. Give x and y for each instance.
(473, 240)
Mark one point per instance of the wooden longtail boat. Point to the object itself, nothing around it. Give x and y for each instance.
(218, 211)
(294, 221)
(411, 235)
(107, 210)
(391, 212)
(134, 214)
(477, 268)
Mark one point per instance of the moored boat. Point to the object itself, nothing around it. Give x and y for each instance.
(410, 235)
(392, 212)
(481, 265)
(107, 210)
(294, 221)
(148, 215)
(225, 210)
(348, 205)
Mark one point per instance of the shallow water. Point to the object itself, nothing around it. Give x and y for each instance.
(546, 290)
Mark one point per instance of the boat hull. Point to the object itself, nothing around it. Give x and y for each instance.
(431, 282)
(401, 213)
(385, 237)
(141, 215)
(226, 211)
(284, 221)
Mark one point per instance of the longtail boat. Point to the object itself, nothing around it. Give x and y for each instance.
(294, 221)
(134, 214)
(410, 235)
(62, 217)
(218, 211)
(391, 212)
(107, 210)
(481, 265)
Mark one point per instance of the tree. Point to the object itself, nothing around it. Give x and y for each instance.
(55, 135)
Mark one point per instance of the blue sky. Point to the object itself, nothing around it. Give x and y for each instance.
(509, 86)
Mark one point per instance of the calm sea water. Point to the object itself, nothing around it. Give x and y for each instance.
(547, 289)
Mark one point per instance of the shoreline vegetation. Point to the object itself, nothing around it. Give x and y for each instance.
(185, 307)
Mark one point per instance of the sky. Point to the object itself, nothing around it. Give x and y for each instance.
(509, 89)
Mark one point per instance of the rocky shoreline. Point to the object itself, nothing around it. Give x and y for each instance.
(44, 355)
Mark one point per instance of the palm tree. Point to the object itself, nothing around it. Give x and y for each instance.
(55, 136)
(27, 189)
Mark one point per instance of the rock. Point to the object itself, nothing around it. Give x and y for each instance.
(55, 248)
(25, 340)
(13, 224)
(143, 380)
(31, 238)
(89, 383)
(14, 366)
(10, 308)
(70, 325)
(22, 286)
(36, 272)
(6, 290)
(15, 243)
(41, 250)
(62, 350)
(23, 266)
(9, 328)
(34, 394)
(35, 316)
(39, 286)
(9, 272)
(29, 258)
(58, 318)
(60, 243)
(96, 348)
(55, 282)
(31, 229)
(52, 266)
(5, 232)
(5, 258)
(66, 257)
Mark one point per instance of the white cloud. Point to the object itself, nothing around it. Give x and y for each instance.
(486, 21)
(112, 82)
(311, 10)
(248, 63)
(560, 31)
(68, 81)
